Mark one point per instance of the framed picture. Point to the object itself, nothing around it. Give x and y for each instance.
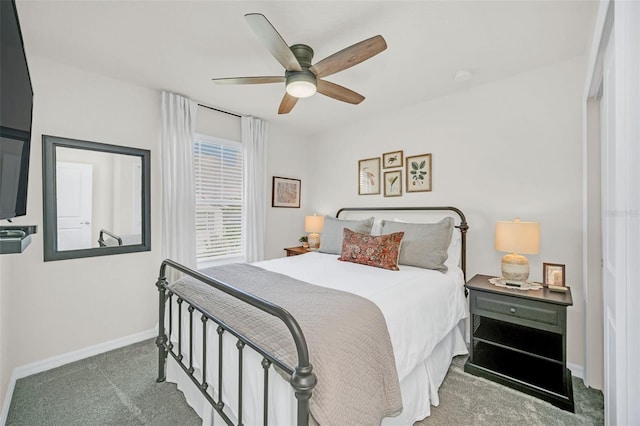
(369, 176)
(418, 171)
(393, 183)
(553, 273)
(392, 159)
(285, 192)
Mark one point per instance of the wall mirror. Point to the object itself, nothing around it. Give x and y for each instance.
(96, 199)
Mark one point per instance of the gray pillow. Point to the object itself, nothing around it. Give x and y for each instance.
(331, 237)
(424, 244)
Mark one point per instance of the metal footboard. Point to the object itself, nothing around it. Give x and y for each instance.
(103, 243)
(302, 378)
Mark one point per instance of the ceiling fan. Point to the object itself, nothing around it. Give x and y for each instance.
(301, 77)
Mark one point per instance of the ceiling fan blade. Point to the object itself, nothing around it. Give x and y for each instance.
(273, 40)
(350, 56)
(338, 92)
(287, 104)
(249, 80)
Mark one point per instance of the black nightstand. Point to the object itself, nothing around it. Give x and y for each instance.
(519, 339)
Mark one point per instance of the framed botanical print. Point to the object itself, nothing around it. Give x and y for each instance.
(369, 176)
(418, 171)
(285, 192)
(392, 159)
(393, 183)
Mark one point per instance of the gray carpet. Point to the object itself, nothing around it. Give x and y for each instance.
(119, 388)
(471, 400)
(114, 388)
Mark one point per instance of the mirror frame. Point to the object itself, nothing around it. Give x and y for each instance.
(50, 220)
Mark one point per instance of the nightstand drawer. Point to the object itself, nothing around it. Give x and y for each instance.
(525, 312)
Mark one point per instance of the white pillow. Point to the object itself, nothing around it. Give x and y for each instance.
(376, 229)
(424, 244)
(332, 235)
(455, 246)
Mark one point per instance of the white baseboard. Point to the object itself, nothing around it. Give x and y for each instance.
(57, 361)
(576, 370)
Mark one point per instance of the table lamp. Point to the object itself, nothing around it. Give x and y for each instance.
(517, 238)
(313, 224)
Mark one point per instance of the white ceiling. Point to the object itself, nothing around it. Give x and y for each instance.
(180, 45)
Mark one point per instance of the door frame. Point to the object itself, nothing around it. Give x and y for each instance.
(622, 20)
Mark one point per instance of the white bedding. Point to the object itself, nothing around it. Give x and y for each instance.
(422, 309)
(420, 306)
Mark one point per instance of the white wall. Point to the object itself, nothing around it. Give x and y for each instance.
(592, 249)
(503, 150)
(58, 307)
(219, 124)
(288, 157)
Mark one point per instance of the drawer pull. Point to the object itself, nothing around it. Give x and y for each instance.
(513, 310)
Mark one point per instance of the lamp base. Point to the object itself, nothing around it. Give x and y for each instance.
(515, 267)
(314, 241)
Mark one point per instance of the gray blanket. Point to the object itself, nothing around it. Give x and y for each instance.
(347, 335)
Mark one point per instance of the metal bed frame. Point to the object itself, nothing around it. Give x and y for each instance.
(101, 240)
(302, 378)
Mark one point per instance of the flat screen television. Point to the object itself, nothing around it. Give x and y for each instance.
(16, 105)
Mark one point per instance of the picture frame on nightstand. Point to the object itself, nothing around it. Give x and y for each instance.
(553, 274)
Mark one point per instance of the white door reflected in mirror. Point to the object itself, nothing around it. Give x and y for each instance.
(74, 189)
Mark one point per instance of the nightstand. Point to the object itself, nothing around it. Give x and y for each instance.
(519, 339)
(294, 251)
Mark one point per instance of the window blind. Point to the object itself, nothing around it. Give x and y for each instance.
(218, 181)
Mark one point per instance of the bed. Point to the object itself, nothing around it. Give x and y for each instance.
(312, 340)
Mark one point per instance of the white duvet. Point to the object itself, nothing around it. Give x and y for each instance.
(420, 306)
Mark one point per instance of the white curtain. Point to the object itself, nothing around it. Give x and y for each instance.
(178, 191)
(254, 143)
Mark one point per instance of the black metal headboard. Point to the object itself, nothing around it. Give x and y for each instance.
(463, 226)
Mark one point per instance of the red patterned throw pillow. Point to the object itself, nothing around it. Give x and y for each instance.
(381, 251)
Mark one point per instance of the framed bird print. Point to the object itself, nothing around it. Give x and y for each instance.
(392, 159)
(369, 176)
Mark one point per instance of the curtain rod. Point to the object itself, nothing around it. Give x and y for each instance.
(219, 110)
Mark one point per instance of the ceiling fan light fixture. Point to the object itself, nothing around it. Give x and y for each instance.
(303, 78)
(301, 84)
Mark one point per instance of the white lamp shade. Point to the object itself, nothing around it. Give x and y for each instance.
(518, 237)
(313, 223)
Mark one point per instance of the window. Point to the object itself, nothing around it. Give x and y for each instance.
(218, 182)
